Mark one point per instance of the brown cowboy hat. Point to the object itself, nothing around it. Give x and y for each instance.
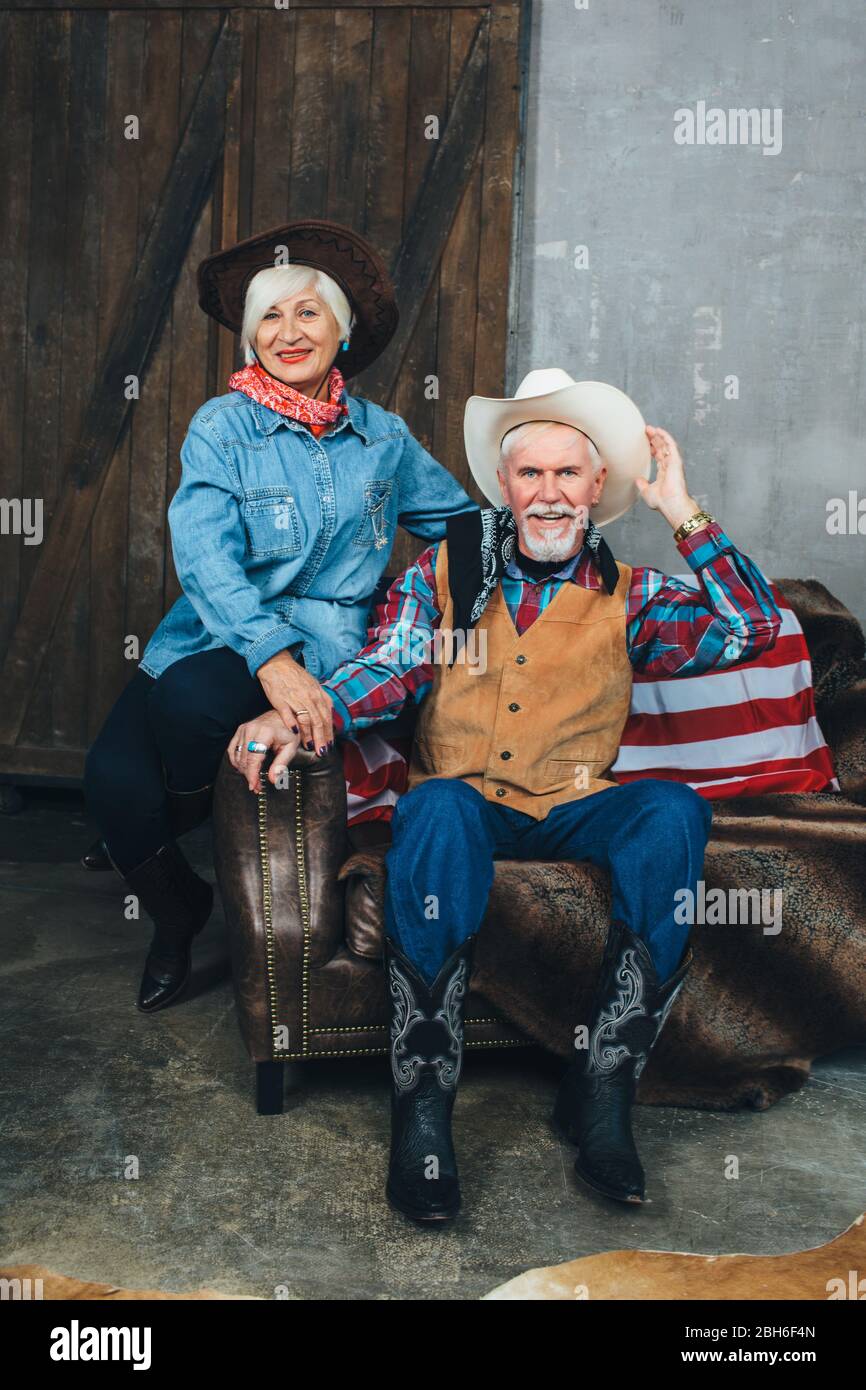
(358, 269)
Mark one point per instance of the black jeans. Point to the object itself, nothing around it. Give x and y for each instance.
(170, 732)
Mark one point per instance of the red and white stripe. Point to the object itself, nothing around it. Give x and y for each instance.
(736, 732)
(377, 771)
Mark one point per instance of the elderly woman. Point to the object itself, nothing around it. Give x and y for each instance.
(290, 493)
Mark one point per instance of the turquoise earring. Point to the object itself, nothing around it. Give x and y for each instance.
(345, 346)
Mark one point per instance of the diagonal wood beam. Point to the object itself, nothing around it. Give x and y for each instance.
(140, 318)
(433, 213)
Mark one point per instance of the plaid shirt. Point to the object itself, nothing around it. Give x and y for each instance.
(672, 629)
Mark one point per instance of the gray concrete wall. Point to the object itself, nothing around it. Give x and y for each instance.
(709, 261)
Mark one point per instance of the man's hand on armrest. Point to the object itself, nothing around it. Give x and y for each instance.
(270, 733)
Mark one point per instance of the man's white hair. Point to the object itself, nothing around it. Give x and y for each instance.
(275, 283)
(531, 429)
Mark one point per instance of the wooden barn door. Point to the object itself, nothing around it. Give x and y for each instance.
(135, 139)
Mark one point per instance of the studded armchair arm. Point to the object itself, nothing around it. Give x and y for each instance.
(277, 856)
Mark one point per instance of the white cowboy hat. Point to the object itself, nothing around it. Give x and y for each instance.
(610, 418)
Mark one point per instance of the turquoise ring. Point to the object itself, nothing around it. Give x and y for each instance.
(253, 747)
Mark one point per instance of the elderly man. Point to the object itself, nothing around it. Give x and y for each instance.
(512, 752)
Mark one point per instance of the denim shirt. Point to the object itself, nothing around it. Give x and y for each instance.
(279, 538)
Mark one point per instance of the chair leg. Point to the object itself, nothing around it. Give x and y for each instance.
(293, 1073)
(269, 1088)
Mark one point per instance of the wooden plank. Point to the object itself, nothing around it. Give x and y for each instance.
(189, 328)
(350, 110)
(109, 668)
(17, 34)
(386, 132)
(311, 114)
(246, 168)
(132, 343)
(433, 215)
(160, 118)
(66, 673)
(497, 191)
(231, 193)
(386, 158)
(518, 201)
(30, 760)
(46, 243)
(272, 149)
(428, 102)
(458, 298)
(386, 162)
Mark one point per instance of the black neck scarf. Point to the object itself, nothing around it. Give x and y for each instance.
(480, 545)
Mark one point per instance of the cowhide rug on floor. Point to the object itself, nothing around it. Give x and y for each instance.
(829, 1271)
(826, 1272)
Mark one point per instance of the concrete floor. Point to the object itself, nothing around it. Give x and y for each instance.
(239, 1203)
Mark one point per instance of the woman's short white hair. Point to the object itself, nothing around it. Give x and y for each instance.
(531, 429)
(275, 283)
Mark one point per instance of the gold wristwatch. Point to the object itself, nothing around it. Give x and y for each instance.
(691, 524)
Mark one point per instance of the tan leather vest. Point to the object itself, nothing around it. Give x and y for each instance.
(537, 721)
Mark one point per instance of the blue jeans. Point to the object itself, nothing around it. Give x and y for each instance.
(649, 834)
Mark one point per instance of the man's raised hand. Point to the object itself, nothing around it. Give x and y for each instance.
(667, 493)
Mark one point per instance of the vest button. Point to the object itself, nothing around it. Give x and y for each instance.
(506, 754)
(520, 659)
(513, 707)
(500, 791)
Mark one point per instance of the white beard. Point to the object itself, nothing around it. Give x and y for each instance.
(556, 546)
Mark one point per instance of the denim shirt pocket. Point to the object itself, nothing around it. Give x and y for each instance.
(373, 530)
(271, 523)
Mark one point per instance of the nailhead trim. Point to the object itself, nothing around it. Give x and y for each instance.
(370, 1052)
(372, 1027)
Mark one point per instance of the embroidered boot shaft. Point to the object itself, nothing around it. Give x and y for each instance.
(593, 1106)
(426, 1059)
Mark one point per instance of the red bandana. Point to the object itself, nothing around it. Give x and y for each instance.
(255, 382)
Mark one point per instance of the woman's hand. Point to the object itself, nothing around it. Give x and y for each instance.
(667, 493)
(267, 729)
(299, 700)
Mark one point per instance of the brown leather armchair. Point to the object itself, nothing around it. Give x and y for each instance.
(305, 923)
(303, 899)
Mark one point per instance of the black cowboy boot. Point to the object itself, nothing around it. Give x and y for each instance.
(96, 857)
(180, 903)
(186, 811)
(593, 1107)
(426, 1057)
